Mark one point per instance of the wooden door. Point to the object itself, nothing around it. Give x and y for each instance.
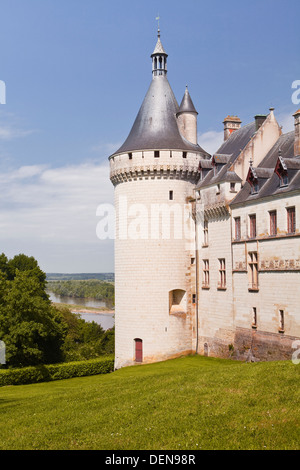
(138, 350)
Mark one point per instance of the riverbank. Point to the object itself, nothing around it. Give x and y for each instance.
(83, 309)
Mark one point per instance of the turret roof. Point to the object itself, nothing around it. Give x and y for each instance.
(187, 105)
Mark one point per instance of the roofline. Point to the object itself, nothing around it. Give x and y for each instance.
(202, 152)
(262, 198)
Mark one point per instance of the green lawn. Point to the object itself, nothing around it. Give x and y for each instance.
(187, 403)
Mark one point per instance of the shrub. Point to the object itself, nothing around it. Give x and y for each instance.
(47, 373)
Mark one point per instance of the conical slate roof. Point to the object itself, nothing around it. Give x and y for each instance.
(187, 104)
(155, 127)
(159, 49)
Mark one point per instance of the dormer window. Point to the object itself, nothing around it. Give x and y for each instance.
(253, 180)
(281, 172)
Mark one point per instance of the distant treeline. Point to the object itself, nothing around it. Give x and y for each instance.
(91, 288)
(80, 276)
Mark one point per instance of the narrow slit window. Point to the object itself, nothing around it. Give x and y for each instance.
(273, 223)
(156, 153)
(171, 195)
(254, 317)
(281, 320)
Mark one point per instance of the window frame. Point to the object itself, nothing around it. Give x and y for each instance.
(291, 219)
(205, 270)
(273, 223)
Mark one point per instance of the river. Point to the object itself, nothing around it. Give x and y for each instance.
(106, 320)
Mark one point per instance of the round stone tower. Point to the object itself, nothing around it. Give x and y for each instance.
(154, 173)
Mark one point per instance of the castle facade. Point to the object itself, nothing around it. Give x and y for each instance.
(207, 248)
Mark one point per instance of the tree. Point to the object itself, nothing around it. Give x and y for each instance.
(32, 329)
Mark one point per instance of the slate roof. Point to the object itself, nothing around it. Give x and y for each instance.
(187, 104)
(268, 181)
(155, 127)
(226, 155)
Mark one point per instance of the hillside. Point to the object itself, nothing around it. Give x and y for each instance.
(188, 403)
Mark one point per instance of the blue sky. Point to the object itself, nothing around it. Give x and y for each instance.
(76, 72)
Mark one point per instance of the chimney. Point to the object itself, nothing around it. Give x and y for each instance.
(297, 133)
(259, 120)
(231, 124)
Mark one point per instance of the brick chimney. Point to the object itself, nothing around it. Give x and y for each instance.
(231, 124)
(297, 133)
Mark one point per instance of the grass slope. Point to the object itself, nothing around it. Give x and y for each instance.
(187, 403)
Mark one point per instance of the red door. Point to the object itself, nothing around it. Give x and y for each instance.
(138, 350)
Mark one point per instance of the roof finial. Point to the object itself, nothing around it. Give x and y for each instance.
(158, 30)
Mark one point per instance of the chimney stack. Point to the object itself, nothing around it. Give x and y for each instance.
(231, 124)
(259, 120)
(297, 133)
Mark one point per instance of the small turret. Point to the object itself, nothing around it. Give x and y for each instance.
(159, 58)
(187, 118)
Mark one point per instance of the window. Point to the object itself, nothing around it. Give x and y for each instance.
(205, 281)
(283, 180)
(218, 189)
(156, 153)
(254, 187)
(171, 195)
(177, 301)
(291, 220)
(281, 321)
(232, 187)
(252, 226)
(237, 228)
(222, 274)
(205, 233)
(192, 260)
(273, 223)
(130, 156)
(253, 270)
(184, 154)
(254, 317)
(194, 298)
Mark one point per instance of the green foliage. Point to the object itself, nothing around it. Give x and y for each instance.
(85, 340)
(46, 373)
(92, 288)
(33, 331)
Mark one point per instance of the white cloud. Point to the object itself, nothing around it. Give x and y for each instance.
(211, 140)
(50, 213)
(10, 133)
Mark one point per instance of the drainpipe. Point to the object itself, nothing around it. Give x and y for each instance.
(196, 267)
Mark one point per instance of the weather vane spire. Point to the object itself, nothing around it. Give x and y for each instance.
(158, 30)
